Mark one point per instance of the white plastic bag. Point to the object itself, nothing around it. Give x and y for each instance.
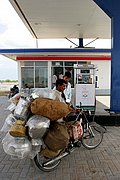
(36, 147)
(38, 126)
(43, 93)
(22, 109)
(9, 121)
(17, 147)
(11, 107)
(15, 98)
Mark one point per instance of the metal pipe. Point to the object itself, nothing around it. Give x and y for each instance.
(56, 159)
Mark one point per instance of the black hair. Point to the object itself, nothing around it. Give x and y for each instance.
(68, 74)
(60, 82)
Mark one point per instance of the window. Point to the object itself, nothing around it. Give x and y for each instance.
(27, 63)
(41, 77)
(27, 76)
(85, 71)
(34, 74)
(57, 63)
(41, 63)
(59, 68)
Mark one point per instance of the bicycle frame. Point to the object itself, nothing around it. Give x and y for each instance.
(85, 122)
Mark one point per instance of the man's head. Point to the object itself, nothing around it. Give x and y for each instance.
(60, 85)
(67, 76)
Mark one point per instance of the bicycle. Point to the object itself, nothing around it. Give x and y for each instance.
(91, 138)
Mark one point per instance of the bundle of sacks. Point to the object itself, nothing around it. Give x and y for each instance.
(32, 126)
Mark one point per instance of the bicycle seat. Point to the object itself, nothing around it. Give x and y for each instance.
(71, 117)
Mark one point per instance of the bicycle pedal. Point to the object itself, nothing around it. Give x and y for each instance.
(78, 144)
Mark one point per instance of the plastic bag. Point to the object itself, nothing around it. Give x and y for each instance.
(11, 107)
(17, 147)
(9, 121)
(75, 130)
(22, 109)
(7, 138)
(38, 126)
(36, 147)
(15, 98)
(36, 142)
(43, 93)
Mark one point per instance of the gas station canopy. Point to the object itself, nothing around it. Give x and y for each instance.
(63, 18)
(81, 19)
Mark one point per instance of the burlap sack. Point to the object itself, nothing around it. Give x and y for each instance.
(49, 153)
(57, 137)
(49, 108)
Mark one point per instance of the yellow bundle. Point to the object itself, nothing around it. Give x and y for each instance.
(18, 129)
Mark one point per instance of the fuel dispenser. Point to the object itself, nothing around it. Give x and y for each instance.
(84, 86)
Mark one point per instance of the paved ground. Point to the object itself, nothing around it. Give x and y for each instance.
(102, 163)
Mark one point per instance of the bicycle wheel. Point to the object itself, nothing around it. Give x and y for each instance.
(92, 137)
(99, 126)
(40, 162)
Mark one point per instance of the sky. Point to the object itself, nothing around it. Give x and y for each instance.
(14, 34)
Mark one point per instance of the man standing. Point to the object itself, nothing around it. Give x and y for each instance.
(67, 91)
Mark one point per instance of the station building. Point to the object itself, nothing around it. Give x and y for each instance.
(39, 68)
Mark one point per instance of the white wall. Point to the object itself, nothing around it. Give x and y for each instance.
(104, 76)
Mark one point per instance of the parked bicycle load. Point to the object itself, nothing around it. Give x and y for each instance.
(32, 129)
